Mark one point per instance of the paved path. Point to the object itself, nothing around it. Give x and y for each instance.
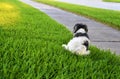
(95, 3)
(101, 35)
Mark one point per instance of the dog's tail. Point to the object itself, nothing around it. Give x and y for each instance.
(65, 46)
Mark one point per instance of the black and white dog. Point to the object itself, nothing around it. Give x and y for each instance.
(80, 42)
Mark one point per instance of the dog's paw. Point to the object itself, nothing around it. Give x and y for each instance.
(83, 52)
(86, 53)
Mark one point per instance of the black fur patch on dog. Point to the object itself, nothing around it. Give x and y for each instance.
(81, 34)
(86, 44)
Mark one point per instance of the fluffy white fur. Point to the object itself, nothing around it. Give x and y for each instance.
(81, 31)
(76, 46)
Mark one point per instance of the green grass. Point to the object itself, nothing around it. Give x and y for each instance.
(108, 17)
(30, 48)
(8, 13)
(112, 1)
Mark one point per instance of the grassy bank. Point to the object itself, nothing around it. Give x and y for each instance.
(108, 17)
(30, 48)
(112, 1)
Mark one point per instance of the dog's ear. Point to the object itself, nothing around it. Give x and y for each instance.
(75, 28)
(85, 27)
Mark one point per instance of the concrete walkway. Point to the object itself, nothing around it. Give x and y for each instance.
(101, 35)
(95, 3)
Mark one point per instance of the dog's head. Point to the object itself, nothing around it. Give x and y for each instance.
(79, 26)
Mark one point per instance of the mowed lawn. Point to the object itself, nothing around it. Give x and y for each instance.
(109, 17)
(30, 48)
(112, 1)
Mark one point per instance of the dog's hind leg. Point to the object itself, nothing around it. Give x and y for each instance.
(82, 51)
